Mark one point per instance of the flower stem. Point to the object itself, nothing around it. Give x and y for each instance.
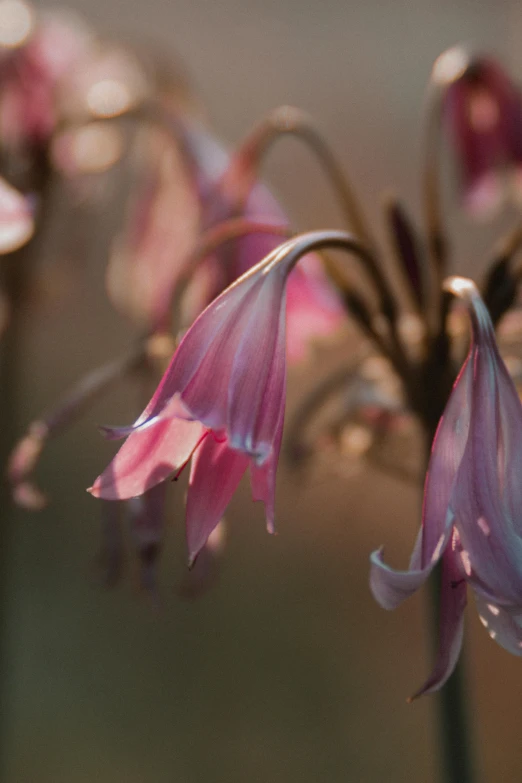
(15, 284)
(456, 756)
(16, 271)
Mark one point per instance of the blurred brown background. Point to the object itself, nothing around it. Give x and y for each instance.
(287, 671)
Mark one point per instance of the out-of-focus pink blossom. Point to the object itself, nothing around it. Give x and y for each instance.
(163, 228)
(16, 219)
(471, 519)
(175, 207)
(482, 108)
(30, 74)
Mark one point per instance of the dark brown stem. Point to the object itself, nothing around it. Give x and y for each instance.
(296, 448)
(26, 454)
(288, 120)
(431, 189)
(293, 250)
(456, 762)
(16, 276)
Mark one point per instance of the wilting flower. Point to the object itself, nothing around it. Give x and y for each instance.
(472, 503)
(220, 402)
(483, 111)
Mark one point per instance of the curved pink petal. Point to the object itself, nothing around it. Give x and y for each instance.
(210, 338)
(147, 457)
(487, 496)
(162, 231)
(451, 623)
(206, 385)
(205, 571)
(313, 307)
(446, 455)
(215, 472)
(174, 409)
(263, 477)
(391, 587)
(258, 376)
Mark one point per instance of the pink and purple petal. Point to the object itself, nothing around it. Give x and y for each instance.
(148, 457)
(215, 473)
(503, 625)
(263, 477)
(451, 623)
(486, 496)
(391, 587)
(258, 375)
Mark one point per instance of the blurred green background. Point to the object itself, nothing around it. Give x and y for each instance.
(287, 671)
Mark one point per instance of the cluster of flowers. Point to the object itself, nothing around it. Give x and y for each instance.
(203, 229)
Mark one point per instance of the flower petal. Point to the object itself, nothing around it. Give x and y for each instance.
(391, 587)
(214, 475)
(486, 495)
(263, 477)
(451, 623)
(258, 377)
(147, 457)
(503, 626)
(204, 357)
(204, 574)
(446, 455)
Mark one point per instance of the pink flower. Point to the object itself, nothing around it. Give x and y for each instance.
(30, 75)
(313, 307)
(183, 200)
(472, 519)
(220, 402)
(483, 111)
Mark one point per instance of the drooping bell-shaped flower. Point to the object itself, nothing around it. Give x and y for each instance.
(482, 109)
(220, 402)
(472, 517)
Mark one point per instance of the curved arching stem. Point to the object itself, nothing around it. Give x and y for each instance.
(211, 240)
(295, 448)
(431, 186)
(26, 454)
(291, 251)
(240, 176)
(451, 66)
(243, 172)
(291, 121)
